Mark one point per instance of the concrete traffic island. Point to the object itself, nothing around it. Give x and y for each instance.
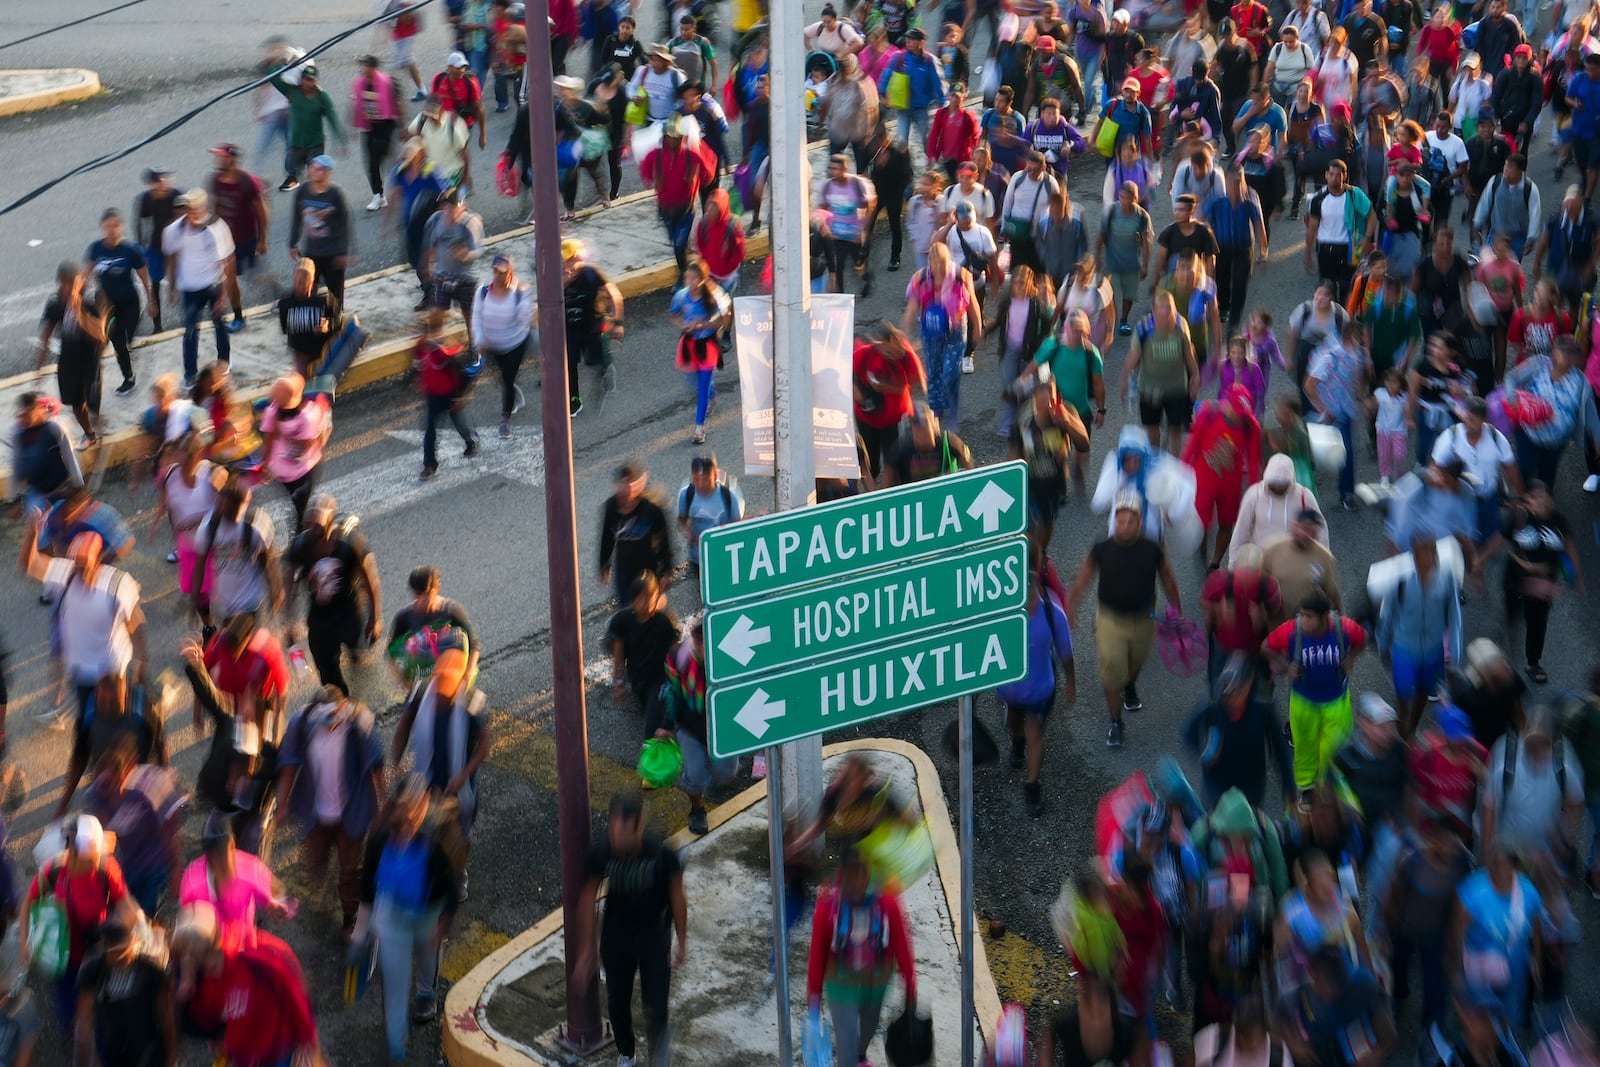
(506, 1011)
(35, 90)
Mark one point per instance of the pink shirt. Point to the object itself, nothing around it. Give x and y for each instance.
(297, 440)
(251, 885)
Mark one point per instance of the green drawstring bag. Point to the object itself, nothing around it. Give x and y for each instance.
(660, 763)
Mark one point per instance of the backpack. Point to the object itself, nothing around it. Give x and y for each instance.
(254, 546)
(49, 929)
(1508, 773)
(865, 956)
(1335, 623)
(1498, 181)
(722, 488)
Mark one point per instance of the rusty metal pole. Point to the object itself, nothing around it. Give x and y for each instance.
(561, 538)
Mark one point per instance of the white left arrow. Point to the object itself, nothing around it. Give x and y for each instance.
(991, 503)
(758, 712)
(743, 639)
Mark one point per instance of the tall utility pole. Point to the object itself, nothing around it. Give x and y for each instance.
(561, 540)
(795, 463)
(795, 780)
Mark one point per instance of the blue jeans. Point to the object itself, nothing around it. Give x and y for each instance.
(197, 305)
(1488, 516)
(705, 388)
(1088, 67)
(408, 956)
(1010, 368)
(478, 60)
(1397, 62)
(915, 118)
(678, 223)
(1594, 831)
(275, 127)
(435, 408)
(506, 90)
(1347, 473)
(1386, 847)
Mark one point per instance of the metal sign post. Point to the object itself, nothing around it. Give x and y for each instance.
(965, 844)
(780, 906)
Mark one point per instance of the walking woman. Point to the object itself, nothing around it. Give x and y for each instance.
(187, 492)
(504, 311)
(1026, 314)
(375, 110)
(1305, 115)
(943, 303)
(1433, 385)
(1540, 542)
(701, 311)
(888, 376)
(409, 895)
(859, 938)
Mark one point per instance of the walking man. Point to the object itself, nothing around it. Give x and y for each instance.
(320, 227)
(199, 250)
(117, 262)
(1241, 241)
(1129, 565)
(241, 202)
(311, 114)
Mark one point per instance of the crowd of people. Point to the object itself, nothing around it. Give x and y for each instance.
(1440, 823)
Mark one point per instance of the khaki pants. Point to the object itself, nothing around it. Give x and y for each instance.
(1123, 644)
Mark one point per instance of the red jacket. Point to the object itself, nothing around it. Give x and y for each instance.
(825, 921)
(677, 177)
(952, 135)
(1224, 453)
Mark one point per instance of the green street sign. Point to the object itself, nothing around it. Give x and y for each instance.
(890, 680)
(775, 633)
(790, 549)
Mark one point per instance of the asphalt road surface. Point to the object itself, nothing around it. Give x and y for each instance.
(482, 522)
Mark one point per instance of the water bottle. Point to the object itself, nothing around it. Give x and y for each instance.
(297, 660)
(1131, 398)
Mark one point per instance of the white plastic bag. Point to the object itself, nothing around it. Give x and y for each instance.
(1327, 447)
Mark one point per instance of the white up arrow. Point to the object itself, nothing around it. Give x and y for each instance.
(758, 712)
(991, 503)
(743, 639)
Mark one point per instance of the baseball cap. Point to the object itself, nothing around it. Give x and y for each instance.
(456, 60)
(88, 836)
(967, 168)
(1375, 709)
(1121, 15)
(226, 148)
(308, 70)
(1131, 83)
(152, 173)
(193, 198)
(916, 34)
(1129, 500)
(369, 60)
(501, 259)
(1522, 50)
(964, 209)
(325, 162)
(1045, 44)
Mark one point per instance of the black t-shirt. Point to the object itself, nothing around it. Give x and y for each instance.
(639, 539)
(1441, 289)
(333, 574)
(410, 619)
(1128, 574)
(1069, 1042)
(156, 212)
(1364, 37)
(1541, 542)
(1401, 16)
(78, 349)
(1201, 241)
(625, 54)
(1236, 70)
(645, 644)
(911, 464)
(1120, 50)
(638, 891)
(117, 268)
(1489, 709)
(581, 295)
(1485, 159)
(127, 1011)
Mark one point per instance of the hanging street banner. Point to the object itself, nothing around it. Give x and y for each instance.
(832, 406)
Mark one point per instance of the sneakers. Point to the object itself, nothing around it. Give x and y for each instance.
(236, 324)
(576, 406)
(188, 383)
(1124, 330)
(422, 305)
(894, 264)
(518, 401)
(1033, 799)
(699, 825)
(420, 96)
(699, 435)
(1349, 502)
(1114, 735)
(425, 1008)
(625, 1061)
(172, 557)
(471, 449)
(289, 184)
(505, 429)
(967, 366)
(129, 385)
(1591, 484)
(1130, 699)
(376, 203)
(88, 442)
(427, 473)
(1019, 753)
(1294, 213)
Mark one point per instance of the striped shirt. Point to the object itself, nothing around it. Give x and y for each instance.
(1234, 224)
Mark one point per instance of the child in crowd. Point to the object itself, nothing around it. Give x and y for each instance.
(1407, 147)
(1240, 368)
(922, 215)
(1291, 438)
(1264, 345)
(1392, 444)
(1500, 272)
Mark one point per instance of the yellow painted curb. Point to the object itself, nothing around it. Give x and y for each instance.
(467, 1042)
(87, 86)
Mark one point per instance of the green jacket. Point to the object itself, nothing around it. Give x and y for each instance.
(307, 114)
